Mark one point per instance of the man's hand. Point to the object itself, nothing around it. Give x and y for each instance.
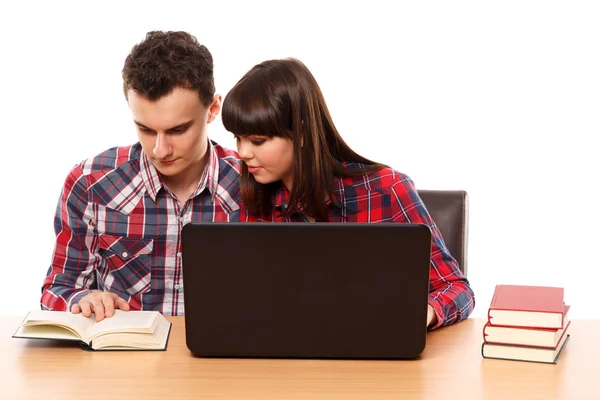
(431, 318)
(102, 304)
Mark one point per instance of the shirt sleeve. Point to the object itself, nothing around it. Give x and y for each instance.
(450, 295)
(70, 275)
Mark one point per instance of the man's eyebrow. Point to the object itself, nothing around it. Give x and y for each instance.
(140, 124)
(180, 126)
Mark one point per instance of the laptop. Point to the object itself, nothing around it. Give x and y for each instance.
(306, 290)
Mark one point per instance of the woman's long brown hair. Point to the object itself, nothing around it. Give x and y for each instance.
(282, 98)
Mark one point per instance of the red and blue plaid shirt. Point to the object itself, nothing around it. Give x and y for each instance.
(118, 228)
(390, 196)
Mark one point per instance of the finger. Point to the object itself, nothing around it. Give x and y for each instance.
(98, 308)
(86, 309)
(108, 302)
(122, 304)
(75, 309)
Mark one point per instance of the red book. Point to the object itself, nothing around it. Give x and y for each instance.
(513, 335)
(528, 306)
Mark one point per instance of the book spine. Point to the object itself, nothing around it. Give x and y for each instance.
(86, 346)
(493, 303)
(482, 353)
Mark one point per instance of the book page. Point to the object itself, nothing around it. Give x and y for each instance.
(125, 321)
(46, 332)
(75, 323)
(136, 341)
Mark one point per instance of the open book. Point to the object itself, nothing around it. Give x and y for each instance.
(125, 330)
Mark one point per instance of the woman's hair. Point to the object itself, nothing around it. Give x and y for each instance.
(282, 98)
(165, 60)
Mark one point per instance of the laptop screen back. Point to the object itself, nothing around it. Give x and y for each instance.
(294, 290)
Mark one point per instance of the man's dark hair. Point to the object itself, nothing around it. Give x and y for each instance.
(165, 60)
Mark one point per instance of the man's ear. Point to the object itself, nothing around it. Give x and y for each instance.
(215, 108)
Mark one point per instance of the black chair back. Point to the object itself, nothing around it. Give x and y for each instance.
(450, 211)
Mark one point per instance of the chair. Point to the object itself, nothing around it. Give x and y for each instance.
(450, 211)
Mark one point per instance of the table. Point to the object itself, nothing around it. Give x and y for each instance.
(451, 367)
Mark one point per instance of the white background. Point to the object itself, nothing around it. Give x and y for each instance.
(501, 99)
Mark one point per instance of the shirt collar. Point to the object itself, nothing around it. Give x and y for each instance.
(339, 198)
(209, 179)
(281, 197)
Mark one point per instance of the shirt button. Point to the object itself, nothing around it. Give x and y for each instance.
(177, 286)
(125, 254)
(178, 254)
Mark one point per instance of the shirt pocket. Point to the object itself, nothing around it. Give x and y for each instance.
(129, 262)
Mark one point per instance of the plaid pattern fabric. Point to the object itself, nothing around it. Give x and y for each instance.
(118, 228)
(390, 196)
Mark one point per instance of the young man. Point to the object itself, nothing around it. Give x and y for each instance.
(119, 218)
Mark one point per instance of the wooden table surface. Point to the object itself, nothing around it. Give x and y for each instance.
(451, 367)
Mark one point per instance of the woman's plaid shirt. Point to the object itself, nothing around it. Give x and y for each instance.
(390, 196)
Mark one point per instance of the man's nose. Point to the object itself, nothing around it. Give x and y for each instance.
(162, 148)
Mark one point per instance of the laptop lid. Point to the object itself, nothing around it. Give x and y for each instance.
(314, 290)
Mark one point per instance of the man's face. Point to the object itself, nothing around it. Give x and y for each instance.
(172, 131)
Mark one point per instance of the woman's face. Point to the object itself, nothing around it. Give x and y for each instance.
(269, 159)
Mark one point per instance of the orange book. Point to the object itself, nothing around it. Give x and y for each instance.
(528, 306)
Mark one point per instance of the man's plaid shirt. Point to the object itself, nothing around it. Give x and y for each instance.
(118, 228)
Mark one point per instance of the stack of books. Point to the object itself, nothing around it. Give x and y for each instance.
(526, 323)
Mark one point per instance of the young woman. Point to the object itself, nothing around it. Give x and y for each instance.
(297, 168)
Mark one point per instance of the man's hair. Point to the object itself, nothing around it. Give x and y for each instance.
(166, 60)
(282, 98)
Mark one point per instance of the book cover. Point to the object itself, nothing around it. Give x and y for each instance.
(527, 306)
